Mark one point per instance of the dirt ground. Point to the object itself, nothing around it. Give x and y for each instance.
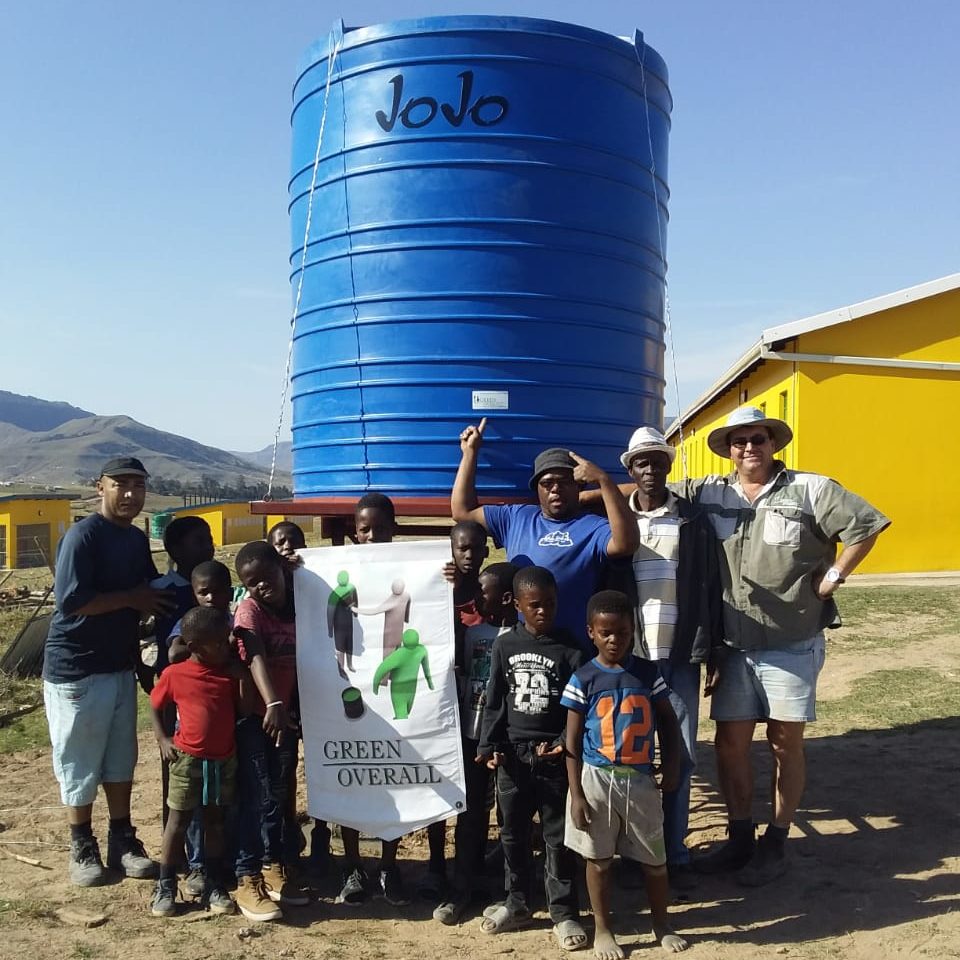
(875, 866)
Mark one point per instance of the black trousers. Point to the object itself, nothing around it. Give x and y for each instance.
(473, 825)
(526, 785)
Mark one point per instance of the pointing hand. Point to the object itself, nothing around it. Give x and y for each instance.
(472, 437)
(585, 471)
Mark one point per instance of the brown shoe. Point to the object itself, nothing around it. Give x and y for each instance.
(281, 887)
(253, 901)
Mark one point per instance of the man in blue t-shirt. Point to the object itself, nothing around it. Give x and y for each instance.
(102, 586)
(572, 544)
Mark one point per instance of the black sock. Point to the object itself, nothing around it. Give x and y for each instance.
(776, 835)
(741, 832)
(168, 871)
(121, 825)
(213, 868)
(81, 831)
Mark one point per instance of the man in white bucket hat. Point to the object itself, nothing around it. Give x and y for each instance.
(778, 531)
(674, 582)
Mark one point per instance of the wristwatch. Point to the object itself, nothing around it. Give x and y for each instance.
(833, 575)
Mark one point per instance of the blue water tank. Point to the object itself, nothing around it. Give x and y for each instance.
(487, 234)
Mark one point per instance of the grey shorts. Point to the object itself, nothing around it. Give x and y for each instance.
(93, 732)
(626, 817)
(770, 684)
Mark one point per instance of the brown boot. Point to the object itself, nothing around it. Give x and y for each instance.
(253, 900)
(281, 886)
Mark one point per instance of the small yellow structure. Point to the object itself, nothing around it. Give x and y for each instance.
(871, 392)
(31, 527)
(230, 520)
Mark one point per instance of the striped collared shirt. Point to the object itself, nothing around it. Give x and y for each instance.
(655, 571)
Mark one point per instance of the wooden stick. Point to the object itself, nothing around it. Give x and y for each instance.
(27, 860)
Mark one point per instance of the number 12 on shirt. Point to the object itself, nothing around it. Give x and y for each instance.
(620, 729)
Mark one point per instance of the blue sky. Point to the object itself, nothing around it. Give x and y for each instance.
(144, 155)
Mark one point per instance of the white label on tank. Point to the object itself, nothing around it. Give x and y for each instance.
(491, 400)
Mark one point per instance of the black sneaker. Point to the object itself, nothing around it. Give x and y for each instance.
(729, 856)
(769, 861)
(195, 884)
(164, 900)
(391, 887)
(354, 889)
(86, 867)
(125, 853)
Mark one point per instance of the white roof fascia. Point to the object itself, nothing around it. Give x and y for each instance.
(739, 367)
(831, 318)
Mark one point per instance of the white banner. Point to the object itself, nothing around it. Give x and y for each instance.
(378, 696)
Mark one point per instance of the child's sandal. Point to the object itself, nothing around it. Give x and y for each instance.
(503, 920)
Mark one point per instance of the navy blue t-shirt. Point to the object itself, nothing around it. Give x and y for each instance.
(573, 550)
(96, 556)
(163, 623)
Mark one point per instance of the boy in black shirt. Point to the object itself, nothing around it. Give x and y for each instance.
(522, 738)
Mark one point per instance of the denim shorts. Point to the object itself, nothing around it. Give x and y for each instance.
(770, 684)
(93, 732)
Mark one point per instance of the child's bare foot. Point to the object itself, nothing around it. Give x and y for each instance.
(605, 947)
(670, 941)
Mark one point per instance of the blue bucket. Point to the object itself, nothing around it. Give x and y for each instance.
(486, 239)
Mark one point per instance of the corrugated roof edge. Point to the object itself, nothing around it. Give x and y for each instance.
(818, 321)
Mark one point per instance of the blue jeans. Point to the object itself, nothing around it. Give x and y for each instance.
(263, 776)
(683, 679)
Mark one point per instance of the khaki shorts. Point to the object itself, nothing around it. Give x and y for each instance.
(626, 817)
(189, 775)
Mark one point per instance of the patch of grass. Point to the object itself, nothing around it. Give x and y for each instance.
(887, 699)
(28, 731)
(82, 951)
(26, 910)
(877, 617)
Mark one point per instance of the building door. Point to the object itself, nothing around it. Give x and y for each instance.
(33, 545)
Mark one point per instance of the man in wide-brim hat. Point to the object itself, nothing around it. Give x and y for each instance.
(778, 532)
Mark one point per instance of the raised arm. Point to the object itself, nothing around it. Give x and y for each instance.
(463, 499)
(624, 535)
(592, 500)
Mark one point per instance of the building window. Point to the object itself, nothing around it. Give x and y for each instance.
(783, 405)
(33, 545)
(3, 547)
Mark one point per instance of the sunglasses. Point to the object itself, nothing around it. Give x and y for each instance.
(756, 440)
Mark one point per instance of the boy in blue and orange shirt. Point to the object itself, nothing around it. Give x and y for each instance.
(615, 704)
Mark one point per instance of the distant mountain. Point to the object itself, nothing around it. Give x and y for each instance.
(31, 413)
(74, 449)
(264, 457)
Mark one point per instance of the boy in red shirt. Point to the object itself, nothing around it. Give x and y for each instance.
(201, 754)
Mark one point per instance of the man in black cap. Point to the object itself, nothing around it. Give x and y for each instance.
(89, 683)
(571, 543)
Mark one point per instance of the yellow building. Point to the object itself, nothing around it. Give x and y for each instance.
(31, 527)
(872, 393)
(230, 520)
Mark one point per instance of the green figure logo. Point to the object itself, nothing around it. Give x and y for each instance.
(402, 669)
